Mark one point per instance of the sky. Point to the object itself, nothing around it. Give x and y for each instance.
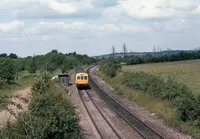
(92, 27)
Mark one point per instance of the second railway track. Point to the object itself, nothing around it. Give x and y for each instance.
(146, 131)
(103, 127)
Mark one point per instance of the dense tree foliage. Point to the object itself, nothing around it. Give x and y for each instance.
(13, 56)
(3, 55)
(11, 64)
(50, 61)
(133, 60)
(110, 67)
(7, 70)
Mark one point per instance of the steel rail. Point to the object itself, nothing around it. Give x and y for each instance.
(142, 128)
(104, 116)
(93, 120)
(89, 114)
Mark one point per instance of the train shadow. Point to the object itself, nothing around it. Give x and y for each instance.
(87, 87)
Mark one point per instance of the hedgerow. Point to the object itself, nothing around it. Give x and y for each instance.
(180, 96)
(50, 116)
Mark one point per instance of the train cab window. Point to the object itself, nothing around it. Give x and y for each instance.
(85, 77)
(78, 78)
(81, 77)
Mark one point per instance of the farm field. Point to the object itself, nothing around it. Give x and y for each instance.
(186, 72)
(159, 97)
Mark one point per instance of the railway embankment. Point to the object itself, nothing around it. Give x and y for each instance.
(151, 119)
(50, 114)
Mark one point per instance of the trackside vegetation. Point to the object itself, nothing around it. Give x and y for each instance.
(50, 115)
(11, 80)
(17, 72)
(179, 102)
(180, 96)
(110, 67)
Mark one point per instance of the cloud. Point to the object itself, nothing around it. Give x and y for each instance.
(154, 9)
(42, 28)
(47, 8)
(104, 3)
(11, 27)
(174, 25)
(114, 9)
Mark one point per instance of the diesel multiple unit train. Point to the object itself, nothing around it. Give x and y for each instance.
(82, 78)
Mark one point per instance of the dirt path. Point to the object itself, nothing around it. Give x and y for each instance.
(18, 103)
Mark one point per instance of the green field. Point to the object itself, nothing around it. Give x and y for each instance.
(187, 72)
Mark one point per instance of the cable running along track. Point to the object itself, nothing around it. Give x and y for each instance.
(146, 131)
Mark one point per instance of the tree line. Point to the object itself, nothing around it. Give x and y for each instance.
(133, 60)
(11, 64)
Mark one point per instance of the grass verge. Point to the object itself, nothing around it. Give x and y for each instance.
(162, 108)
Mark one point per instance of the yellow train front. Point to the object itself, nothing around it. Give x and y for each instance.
(82, 80)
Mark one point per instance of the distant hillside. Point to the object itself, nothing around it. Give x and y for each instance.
(167, 52)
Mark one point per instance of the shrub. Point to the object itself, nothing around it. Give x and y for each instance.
(7, 70)
(110, 68)
(50, 116)
(180, 96)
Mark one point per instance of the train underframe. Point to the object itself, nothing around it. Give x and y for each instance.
(83, 86)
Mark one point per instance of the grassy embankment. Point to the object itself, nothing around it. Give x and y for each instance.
(25, 79)
(186, 72)
(51, 114)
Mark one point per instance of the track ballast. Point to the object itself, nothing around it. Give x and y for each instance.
(146, 131)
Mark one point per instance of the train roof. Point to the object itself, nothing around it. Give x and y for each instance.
(82, 72)
(79, 69)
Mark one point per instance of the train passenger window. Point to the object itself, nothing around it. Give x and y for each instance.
(78, 78)
(85, 77)
(81, 77)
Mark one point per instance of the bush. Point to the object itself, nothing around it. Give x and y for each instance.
(7, 70)
(50, 116)
(180, 96)
(110, 68)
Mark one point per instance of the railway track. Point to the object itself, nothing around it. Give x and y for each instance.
(145, 131)
(103, 127)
